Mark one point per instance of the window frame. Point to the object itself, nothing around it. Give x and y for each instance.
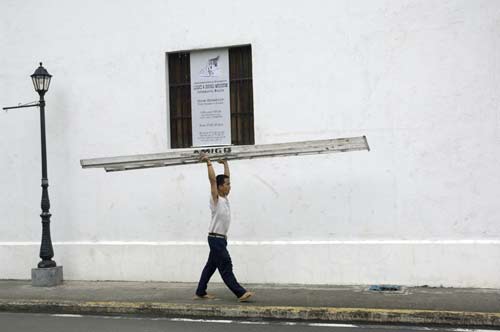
(179, 120)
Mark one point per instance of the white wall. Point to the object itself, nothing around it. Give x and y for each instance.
(419, 78)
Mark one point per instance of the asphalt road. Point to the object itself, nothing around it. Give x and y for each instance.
(21, 322)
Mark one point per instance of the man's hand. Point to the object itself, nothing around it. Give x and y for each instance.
(204, 158)
(222, 161)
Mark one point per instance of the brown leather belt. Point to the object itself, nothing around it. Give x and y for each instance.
(220, 236)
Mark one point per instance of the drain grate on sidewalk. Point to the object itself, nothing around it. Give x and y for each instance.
(386, 288)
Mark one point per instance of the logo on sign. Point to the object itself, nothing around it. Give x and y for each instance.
(211, 69)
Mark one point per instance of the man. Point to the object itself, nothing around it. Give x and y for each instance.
(219, 258)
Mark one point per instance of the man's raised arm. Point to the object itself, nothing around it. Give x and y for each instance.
(211, 178)
(226, 167)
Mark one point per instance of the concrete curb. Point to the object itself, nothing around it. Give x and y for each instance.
(361, 315)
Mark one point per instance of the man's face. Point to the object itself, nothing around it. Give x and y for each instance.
(225, 188)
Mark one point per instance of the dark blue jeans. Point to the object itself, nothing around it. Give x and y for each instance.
(219, 259)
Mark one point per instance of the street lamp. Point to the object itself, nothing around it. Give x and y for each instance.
(41, 81)
(47, 273)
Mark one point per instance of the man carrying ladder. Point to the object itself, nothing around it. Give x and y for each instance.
(219, 258)
(220, 186)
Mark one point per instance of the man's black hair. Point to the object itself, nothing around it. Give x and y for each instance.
(220, 179)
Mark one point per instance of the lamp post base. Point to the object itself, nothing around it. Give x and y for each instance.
(47, 277)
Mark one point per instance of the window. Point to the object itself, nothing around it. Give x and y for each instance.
(241, 97)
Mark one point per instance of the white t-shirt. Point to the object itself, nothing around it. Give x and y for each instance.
(221, 216)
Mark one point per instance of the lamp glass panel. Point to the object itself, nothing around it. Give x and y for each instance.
(46, 83)
(35, 83)
(41, 83)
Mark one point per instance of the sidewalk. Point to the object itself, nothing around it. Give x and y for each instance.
(419, 305)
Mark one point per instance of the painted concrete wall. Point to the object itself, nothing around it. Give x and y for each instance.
(419, 78)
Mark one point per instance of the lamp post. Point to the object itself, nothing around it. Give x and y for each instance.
(41, 81)
(47, 273)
